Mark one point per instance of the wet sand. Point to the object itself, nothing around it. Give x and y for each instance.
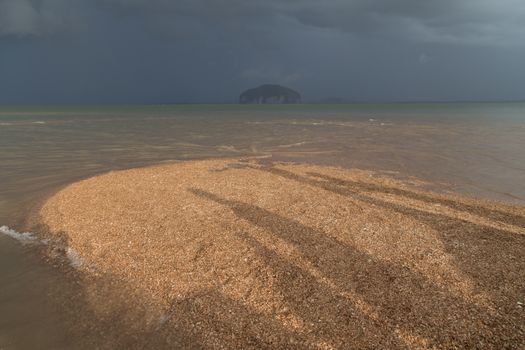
(252, 254)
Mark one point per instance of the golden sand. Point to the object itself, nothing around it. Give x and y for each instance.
(234, 254)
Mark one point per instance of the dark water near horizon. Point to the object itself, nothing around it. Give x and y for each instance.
(478, 149)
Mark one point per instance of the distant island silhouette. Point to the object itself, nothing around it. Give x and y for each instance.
(270, 94)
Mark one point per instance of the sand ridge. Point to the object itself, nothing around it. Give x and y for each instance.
(239, 254)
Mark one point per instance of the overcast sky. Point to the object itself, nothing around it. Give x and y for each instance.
(166, 51)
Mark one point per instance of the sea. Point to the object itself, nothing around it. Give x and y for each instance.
(477, 149)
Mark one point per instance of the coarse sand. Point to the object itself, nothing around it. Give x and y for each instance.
(238, 254)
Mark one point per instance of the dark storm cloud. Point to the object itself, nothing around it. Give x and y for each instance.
(444, 21)
(23, 18)
(208, 50)
(448, 21)
(486, 22)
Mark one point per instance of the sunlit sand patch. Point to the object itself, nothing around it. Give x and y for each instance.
(243, 254)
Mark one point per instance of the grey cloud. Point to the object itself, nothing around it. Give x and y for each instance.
(18, 17)
(23, 18)
(424, 58)
(484, 22)
(438, 21)
(474, 22)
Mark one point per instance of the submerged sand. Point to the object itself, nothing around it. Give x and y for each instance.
(236, 254)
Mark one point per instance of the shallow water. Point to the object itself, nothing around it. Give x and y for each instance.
(474, 148)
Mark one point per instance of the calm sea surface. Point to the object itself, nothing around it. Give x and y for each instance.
(478, 149)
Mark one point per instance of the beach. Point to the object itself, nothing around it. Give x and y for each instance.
(224, 175)
(53, 297)
(254, 253)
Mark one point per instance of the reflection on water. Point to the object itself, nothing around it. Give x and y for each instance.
(478, 148)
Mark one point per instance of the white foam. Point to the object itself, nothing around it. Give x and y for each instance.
(24, 237)
(29, 238)
(74, 258)
(293, 144)
(163, 319)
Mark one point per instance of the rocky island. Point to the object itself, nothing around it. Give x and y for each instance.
(271, 94)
